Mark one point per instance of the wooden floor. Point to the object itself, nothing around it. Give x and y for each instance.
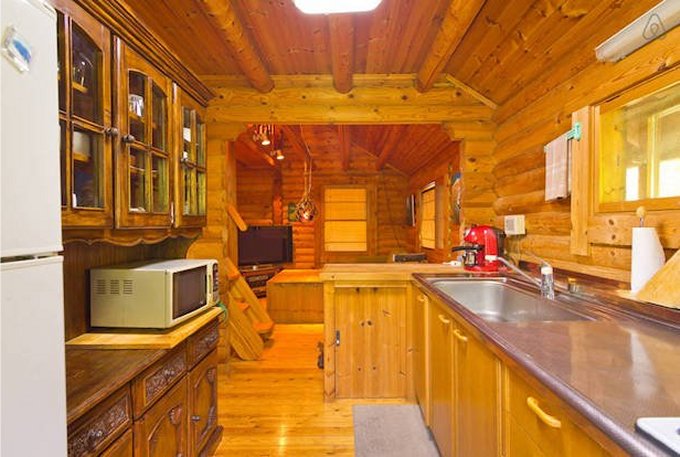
(274, 406)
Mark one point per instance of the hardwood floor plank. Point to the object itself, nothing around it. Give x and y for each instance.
(274, 406)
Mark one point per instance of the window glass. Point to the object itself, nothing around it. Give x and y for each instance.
(639, 149)
(427, 218)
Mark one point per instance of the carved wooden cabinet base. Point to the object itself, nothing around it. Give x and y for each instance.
(169, 407)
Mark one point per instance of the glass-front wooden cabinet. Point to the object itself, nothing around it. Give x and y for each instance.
(87, 135)
(145, 155)
(191, 173)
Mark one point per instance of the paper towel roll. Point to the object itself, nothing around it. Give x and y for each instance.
(647, 257)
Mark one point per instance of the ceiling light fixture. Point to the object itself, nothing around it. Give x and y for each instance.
(335, 6)
(263, 134)
(651, 25)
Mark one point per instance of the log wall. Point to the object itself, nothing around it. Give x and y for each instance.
(519, 173)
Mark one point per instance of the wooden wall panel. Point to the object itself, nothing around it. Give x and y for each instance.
(519, 168)
(255, 194)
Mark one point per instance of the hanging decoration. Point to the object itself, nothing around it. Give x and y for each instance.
(306, 209)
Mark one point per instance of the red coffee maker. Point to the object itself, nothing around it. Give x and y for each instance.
(481, 240)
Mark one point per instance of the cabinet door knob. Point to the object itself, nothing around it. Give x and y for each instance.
(195, 418)
(128, 138)
(111, 132)
(547, 419)
(462, 338)
(443, 319)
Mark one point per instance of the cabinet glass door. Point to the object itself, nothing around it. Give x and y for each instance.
(85, 120)
(193, 171)
(146, 152)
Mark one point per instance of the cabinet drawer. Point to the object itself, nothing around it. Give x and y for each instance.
(122, 447)
(546, 421)
(91, 434)
(202, 342)
(157, 379)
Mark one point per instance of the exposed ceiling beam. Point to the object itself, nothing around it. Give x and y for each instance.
(244, 52)
(462, 86)
(257, 152)
(341, 27)
(390, 145)
(459, 16)
(345, 138)
(363, 150)
(312, 99)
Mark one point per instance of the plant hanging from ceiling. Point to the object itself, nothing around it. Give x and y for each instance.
(306, 209)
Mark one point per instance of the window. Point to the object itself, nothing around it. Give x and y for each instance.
(428, 217)
(345, 219)
(639, 149)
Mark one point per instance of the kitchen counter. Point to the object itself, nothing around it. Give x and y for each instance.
(382, 271)
(611, 370)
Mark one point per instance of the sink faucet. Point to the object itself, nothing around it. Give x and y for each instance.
(546, 284)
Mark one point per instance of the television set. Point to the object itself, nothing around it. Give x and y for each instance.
(265, 244)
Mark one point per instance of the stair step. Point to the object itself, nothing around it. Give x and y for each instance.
(243, 305)
(264, 328)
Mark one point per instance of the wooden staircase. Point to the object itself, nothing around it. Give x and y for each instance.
(249, 322)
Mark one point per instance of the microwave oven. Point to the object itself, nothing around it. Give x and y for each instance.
(152, 294)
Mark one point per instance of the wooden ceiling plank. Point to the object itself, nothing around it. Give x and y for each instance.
(458, 18)
(345, 139)
(244, 52)
(494, 31)
(516, 54)
(295, 140)
(341, 31)
(575, 55)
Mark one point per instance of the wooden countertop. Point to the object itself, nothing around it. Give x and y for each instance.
(143, 339)
(296, 276)
(95, 369)
(94, 374)
(382, 271)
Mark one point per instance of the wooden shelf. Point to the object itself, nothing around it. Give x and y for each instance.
(79, 88)
(81, 157)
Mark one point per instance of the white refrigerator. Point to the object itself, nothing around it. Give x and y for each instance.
(32, 365)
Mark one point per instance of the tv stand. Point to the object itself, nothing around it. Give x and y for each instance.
(257, 276)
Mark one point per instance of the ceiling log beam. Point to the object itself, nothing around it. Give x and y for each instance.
(396, 134)
(344, 136)
(294, 138)
(341, 28)
(312, 99)
(244, 52)
(459, 16)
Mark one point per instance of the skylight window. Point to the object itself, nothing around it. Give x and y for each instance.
(335, 6)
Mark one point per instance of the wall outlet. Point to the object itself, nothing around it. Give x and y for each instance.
(514, 225)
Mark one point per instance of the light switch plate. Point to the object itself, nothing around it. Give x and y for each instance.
(514, 225)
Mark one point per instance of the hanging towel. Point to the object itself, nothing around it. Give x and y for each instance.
(557, 168)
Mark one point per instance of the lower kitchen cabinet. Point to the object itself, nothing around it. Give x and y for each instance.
(421, 379)
(442, 412)
(370, 346)
(168, 409)
(477, 396)
(122, 447)
(465, 390)
(538, 423)
(162, 431)
(202, 403)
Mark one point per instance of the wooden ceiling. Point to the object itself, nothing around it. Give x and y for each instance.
(407, 62)
(406, 148)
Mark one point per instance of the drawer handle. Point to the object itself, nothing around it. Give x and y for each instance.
(443, 319)
(195, 418)
(460, 336)
(546, 418)
(422, 298)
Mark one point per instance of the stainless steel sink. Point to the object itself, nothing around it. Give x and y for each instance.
(497, 301)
